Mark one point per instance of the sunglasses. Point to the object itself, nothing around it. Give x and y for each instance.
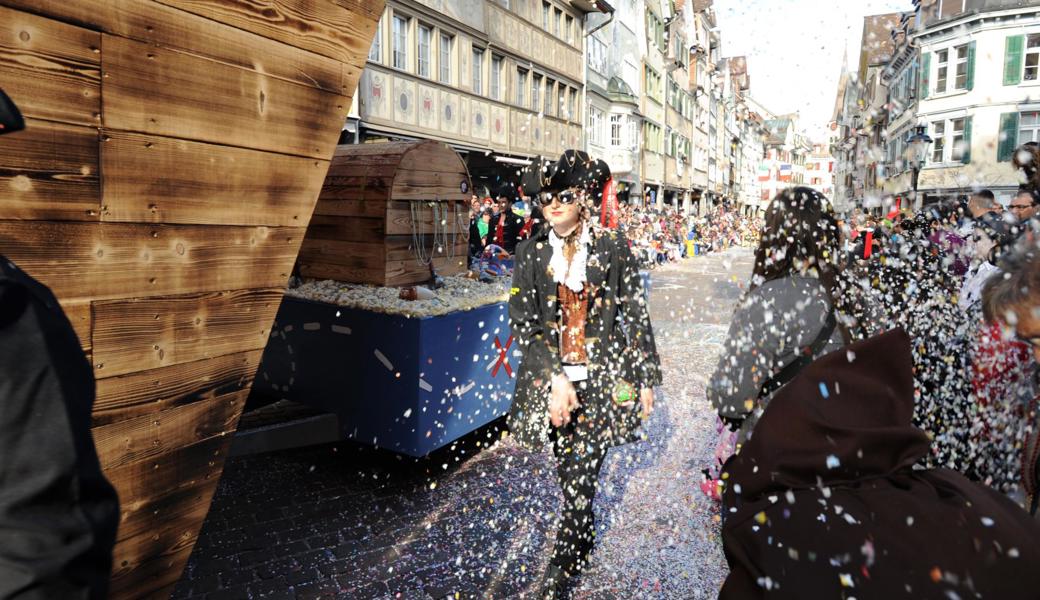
(564, 198)
(1020, 206)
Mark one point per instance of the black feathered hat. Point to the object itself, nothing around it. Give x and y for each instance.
(577, 169)
(535, 176)
(507, 190)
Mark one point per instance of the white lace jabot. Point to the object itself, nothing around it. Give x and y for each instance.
(571, 275)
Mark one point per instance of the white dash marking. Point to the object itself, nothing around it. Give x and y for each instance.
(386, 361)
(341, 329)
(311, 326)
(425, 386)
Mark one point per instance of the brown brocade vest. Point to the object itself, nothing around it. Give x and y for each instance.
(574, 310)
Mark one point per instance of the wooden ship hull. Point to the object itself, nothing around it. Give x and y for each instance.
(173, 154)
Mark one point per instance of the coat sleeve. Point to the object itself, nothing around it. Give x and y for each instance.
(744, 364)
(528, 328)
(58, 514)
(632, 300)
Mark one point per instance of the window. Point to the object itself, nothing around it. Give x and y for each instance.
(652, 82)
(957, 143)
(423, 53)
(545, 16)
(572, 113)
(1029, 127)
(655, 30)
(445, 58)
(633, 133)
(597, 55)
(521, 86)
(375, 53)
(536, 92)
(561, 101)
(478, 71)
(595, 124)
(496, 78)
(400, 43)
(942, 58)
(1032, 61)
(557, 17)
(615, 130)
(547, 107)
(653, 141)
(961, 80)
(939, 141)
(569, 29)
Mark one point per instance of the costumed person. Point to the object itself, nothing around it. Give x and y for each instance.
(788, 316)
(507, 225)
(824, 501)
(58, 513)
(579, 312)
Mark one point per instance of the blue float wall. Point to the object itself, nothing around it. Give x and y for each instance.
(435, 385)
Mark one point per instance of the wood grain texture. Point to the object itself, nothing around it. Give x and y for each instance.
(168, 93)
(151, 179)
(50, 171)
(145, 392)
(148, 333)
(160, 25)
(80, 261)
(79, 315)
(152, 435)
(320, 26)
(50, 69)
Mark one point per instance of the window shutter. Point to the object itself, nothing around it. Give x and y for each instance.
(1008, 136)
(1013, 59)
(971, 66)
(967, 141)
(926, 70)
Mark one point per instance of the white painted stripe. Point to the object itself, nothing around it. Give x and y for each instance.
(383, 359)
(287, 328)
(461, 391)
(425, 386)
(311, 326)
(341, 329)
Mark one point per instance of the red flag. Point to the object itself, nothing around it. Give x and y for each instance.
(868, 245)
(608, 212)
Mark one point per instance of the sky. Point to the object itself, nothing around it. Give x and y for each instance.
(794, 50)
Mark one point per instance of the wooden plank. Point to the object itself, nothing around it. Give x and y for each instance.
(342, 31)
(375, 167)
(80, 261)
(171, 28)
(153, 179)
(148, 392)
(168, 93)
(163, 503)
(395, 273)
(341, 205)
(432, 156)
(50, 171)
(400, 248)
(354, 229)
(399, 220)
(152, 435)
(79, 315)
(50, 69)
(136, 335)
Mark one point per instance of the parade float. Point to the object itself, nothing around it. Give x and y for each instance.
(173, 153)
(409, 369)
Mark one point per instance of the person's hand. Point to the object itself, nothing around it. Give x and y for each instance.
(562, 401)
(646, 398)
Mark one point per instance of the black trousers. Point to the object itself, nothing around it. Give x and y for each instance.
(578, 460)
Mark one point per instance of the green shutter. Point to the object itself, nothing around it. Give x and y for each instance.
(971, 66)
(1008, 136)
(926, 71)
(966, 159)
(1013, 59)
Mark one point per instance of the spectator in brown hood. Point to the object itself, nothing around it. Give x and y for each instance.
(823, 502)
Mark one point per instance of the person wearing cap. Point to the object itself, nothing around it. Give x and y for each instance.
(585, 380)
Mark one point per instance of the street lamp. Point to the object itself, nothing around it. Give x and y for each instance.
(917, 151)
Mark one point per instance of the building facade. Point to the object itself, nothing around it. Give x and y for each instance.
(499, 81)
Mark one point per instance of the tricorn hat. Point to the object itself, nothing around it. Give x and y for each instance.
(577, 169)
(535, 176)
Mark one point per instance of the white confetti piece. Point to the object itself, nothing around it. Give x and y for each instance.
(383, 359)
(311, 326)
(341, 329)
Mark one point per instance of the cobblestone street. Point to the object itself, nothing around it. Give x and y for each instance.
(476, 519)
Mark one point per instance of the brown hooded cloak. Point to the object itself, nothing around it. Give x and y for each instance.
(823, 502)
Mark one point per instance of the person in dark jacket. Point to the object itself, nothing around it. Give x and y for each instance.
(58, 513)
(824, 500)
(506, 225)
(579, 311)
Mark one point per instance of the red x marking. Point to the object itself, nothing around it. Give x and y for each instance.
(502, 361)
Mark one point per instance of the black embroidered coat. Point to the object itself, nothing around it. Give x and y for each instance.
(619, 339)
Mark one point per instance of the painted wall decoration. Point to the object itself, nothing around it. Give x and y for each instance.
(429, 116)
(499, 125)
(404, 101)
(376, 94)
(479, 126)
(449, 110)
